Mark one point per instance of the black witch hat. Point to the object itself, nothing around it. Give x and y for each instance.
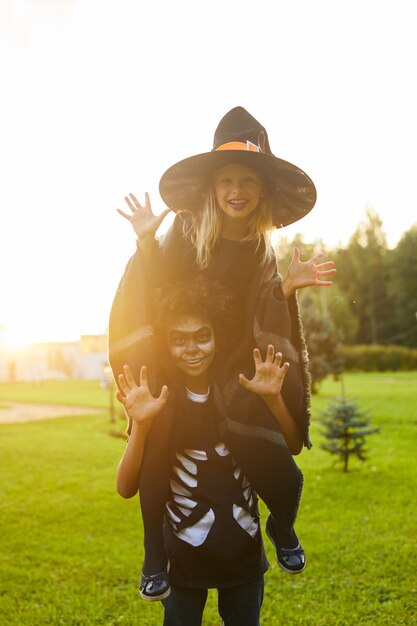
(240, 138)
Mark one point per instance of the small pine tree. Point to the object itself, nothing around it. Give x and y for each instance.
(346, 429)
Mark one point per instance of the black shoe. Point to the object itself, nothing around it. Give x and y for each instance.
(154, 587)
(291, 560)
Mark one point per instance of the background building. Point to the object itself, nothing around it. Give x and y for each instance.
(84, 360)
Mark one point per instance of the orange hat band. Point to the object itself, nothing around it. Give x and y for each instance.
(248, 146)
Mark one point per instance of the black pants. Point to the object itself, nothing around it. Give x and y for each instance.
(238, 606)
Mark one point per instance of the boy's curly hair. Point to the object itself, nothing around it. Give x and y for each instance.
(201, 297)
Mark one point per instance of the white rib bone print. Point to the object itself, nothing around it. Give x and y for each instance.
(186, 472)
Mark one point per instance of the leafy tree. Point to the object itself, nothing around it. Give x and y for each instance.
(330, 302)
(346, 430)
(403, 287)
(363, 275)
(337, 306)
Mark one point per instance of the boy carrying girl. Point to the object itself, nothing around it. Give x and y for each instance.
(199, 489)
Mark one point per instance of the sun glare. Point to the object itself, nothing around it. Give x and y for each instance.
(15, 338)
(19, 337)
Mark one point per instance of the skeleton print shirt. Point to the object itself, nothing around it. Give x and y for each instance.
(212, 531)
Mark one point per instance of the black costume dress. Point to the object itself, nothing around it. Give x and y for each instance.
(245, 423)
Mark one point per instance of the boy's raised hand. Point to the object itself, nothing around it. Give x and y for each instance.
(307, 273)
(144, 222)
(269, 374)
(138, 401)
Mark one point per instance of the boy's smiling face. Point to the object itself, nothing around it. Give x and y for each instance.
(192, 346)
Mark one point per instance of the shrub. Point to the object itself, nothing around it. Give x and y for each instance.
(378, 358)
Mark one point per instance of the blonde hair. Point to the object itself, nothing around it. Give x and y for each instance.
(204, 228)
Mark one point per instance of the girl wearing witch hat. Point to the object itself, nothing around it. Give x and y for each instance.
(227, 203)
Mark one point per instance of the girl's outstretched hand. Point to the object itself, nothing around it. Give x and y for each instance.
(269, 374)
(138, 401)
(144, 222)
(307, 273)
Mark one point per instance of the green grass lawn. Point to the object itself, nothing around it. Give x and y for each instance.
(69, 392)
(71, 547)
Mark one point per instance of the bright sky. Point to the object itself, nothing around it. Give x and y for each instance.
(100, 97)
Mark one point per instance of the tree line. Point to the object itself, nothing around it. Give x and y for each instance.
(374, 296)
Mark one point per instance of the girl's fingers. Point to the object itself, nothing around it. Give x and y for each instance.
(244, 381)
(129, 377)
(256, 356)
(143, 376)
(130, 204)
(270, 353)
(327, 272)
(278, 358)
(164, 214)
(316, 256)
(163, 396)
(324, 283)
(120, 397)
(135, 201)
(125, 215)
(123, 384)
(138, 205)
(325, 264)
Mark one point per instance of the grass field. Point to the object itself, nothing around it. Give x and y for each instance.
(71, 547)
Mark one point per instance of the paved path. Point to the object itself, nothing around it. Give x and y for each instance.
(16, 412)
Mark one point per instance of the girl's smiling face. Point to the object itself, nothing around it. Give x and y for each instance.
(238, 190)
(192, 347)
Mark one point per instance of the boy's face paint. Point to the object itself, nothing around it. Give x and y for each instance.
(192, 346)
(238, 189)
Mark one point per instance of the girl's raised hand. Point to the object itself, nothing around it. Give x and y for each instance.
(307, 273)
(269, 374)
(138, 401)
(144, 222)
